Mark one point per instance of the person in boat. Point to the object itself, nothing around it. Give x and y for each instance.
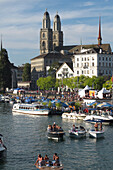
(54, 126)
(40, 161)
(49, 128)
(46, 158)
(1, 141)
(82, 128)
(74, 128)
(100, 126)
(56, 159)
(96, 126)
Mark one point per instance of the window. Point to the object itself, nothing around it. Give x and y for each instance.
(77, 72)
(54, 36)
(77, 64)
(77, 59)
(106, 64)
(99, 64)
(92, 71)
(87, 71)
(92, 64)
(103, 58)
(106, 58)
(85, 59)
(65, 69)
(59, 75)
(82, 59)
(43, 35)
(99, 58)
(109, 59)
(109, 64)
(92, 58)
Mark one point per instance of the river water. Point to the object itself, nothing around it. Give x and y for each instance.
(25, 137)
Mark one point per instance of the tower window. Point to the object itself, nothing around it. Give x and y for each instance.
(55, 37)
(43, 35)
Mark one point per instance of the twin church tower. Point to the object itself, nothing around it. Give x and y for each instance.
(49, 38)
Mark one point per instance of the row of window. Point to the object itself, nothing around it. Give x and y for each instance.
(85, 59)
(66, 75)
(106, 58)
(85, 64)
(43, 35)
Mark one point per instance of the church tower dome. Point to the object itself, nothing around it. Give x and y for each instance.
(46, 20)
(57, 23)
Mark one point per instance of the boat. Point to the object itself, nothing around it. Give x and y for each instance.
(2, 147)
(80, 115)
(71, 115)
(54, 132)
(50, 167)
(78, 132)
(31, 109)
(104, 118)
(96, 134)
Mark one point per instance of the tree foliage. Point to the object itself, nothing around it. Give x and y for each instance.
(26, 76)
(46, 83)
(5, 70)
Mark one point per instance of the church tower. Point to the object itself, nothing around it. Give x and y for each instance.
(57, 33)
(46, 38)
(99, 36)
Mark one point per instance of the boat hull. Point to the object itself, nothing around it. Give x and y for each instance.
(50, 168)
(78, 134)
(32, 112)
(55, 135)
(96, 134)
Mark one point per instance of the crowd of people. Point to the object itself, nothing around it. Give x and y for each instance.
(54, 127)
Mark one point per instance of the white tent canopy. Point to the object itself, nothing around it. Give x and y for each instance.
(81, 93)
(102, 92)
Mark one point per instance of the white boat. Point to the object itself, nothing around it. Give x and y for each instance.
(31, 109)
(78, 133)
(80, 115)
(2, 147)
(96, 134)
(71, 115)
(105, 119)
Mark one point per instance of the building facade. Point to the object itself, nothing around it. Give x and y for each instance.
(92, 62)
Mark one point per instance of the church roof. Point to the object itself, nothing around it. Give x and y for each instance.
(96, 47)
(51, 54)
(69, 47)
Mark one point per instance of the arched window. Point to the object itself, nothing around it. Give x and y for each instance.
(55, 37)
(43, 35)
(43, 44)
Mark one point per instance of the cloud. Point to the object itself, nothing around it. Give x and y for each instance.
(89, 3)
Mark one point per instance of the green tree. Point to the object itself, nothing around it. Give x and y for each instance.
(46, 83)
(5, 70)
(26, 76)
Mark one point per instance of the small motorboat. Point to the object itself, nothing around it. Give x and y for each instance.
(96, 134)
(55, 132)
(2, 147)
(50, 167)
(78, 132)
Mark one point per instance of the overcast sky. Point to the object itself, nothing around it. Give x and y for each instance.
(21, 21)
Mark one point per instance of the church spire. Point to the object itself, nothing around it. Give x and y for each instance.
(99, 36)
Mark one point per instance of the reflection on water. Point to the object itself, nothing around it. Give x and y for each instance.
(25, 137)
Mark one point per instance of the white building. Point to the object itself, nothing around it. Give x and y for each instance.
(64, 72)
(93, 61)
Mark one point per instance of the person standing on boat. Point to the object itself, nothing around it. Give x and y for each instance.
(100, 126)
(96, 126)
